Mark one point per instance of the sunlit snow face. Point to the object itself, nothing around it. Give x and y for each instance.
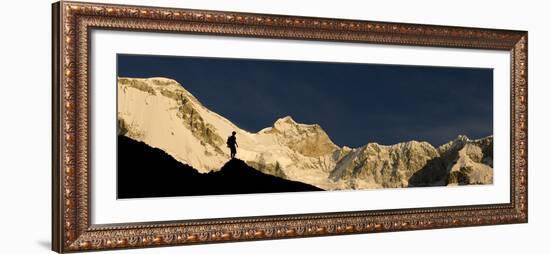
(354, 103)
(161, 113)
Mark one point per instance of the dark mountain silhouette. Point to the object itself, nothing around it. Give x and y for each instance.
(144, 171)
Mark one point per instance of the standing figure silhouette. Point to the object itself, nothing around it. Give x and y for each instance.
(232, 144)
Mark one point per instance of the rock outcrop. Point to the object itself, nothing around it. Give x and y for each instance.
(459, 162)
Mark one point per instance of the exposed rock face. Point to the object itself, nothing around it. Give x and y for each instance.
(375, 166)
(308, 140)
(473, 163)
(162, 114)
(461, 161)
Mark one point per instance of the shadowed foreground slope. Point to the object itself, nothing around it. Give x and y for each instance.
(144, 171)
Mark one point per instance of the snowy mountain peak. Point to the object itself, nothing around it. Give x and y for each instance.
(462, 138)
(165, 86)
(307, 139)
(164, 115)
(288, 123)
(284, 124)
(286, 120)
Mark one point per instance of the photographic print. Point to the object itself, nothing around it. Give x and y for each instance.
(191, 126)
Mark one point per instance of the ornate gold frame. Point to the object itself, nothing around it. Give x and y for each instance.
(71, 226)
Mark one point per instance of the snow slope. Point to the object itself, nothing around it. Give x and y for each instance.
(162, 114)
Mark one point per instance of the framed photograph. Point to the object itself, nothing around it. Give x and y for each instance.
(179, 126)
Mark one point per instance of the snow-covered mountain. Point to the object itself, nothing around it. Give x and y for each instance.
(162, 114)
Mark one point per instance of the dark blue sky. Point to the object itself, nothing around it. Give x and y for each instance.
(354, 103)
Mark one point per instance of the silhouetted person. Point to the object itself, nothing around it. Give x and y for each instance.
(232, 144)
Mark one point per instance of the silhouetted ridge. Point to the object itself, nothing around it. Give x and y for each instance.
(144, 171)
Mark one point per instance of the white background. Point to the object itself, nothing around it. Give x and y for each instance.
(25, 126)
(106, 209)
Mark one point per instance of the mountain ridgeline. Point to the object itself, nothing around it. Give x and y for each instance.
(162, 114)
(136, 179)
